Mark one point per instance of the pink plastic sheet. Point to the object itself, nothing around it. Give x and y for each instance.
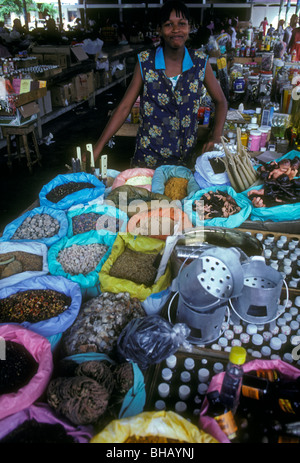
(209, 424)
(44, 414)
(40, 348)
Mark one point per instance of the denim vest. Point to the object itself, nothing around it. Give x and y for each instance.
(168, 116)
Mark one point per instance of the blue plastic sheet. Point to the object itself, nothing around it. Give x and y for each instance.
(89, 284)
(83, 196)
(100, 209)
(232, 221)
(280, 213)
(61, 322)
(60, 216)
(135, 399)
(163, 173)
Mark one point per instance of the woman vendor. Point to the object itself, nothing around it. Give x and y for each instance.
(169, 80)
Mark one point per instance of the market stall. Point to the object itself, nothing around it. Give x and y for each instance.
(125, 297)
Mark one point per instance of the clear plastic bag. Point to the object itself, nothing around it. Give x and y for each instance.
(151, 339)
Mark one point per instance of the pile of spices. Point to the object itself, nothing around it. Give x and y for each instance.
(81, 259)
(36, 227)
(216, 204)
(135, 266)
(33, 432)
(17, 369)
(15, 262)
(176, 188)
(100, 322)
(92, 221)
(33, 306)
(61, 191)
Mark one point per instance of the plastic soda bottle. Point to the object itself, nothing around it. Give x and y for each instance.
(232, 381)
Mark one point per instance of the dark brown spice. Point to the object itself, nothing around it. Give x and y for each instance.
(17, 369)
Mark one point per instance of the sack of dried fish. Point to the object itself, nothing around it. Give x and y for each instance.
(138, 176)
(281, 211)
(179, 181)
(39, 348)
(80, 259)
(67, 190)
(19, 261)
(135, 270)
(159, 223)
(99, 323)
(39, 424)
(47, 304)
(228, 209)
(152, 427)
(96, 217)
(43, 224)
(132, 200)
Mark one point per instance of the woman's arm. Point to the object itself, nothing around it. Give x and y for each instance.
(121, 112)
(215, 91)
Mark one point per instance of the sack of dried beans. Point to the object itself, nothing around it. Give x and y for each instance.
(47, 304)
(67, 190)
(96, 217)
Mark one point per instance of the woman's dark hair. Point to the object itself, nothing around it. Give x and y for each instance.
(169, 6)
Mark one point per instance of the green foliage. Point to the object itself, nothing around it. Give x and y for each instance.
(48, 8)
(16, 6)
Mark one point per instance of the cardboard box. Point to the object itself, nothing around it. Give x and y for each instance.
(45, 104)
(62, 95)
(23, 115)
(83, 86)
(58, 60)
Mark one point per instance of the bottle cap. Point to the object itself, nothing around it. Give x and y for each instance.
(237, 355)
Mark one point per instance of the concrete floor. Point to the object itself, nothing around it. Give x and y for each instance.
(19, 189)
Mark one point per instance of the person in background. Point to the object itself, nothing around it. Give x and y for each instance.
(280, 28)
(288, 31)
(294, 44)
(232, 31)
(271, 30)
(169, 80)
(264, 25)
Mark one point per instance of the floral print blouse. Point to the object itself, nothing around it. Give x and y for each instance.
(168, 113)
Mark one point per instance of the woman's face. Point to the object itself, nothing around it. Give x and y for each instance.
(175, 31)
